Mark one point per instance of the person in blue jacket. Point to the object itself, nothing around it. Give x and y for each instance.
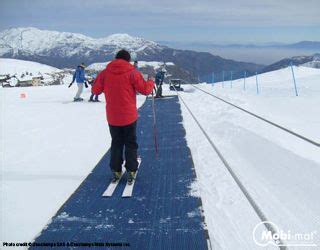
(79, 77)
(159, 81)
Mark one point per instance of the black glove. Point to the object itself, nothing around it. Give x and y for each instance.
(86, 84)
(70, 85)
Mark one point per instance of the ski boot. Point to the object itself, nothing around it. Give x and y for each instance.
(116, 176)
(78, 99)
(131, 177)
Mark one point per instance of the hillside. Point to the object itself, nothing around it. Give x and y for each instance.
(310, 61)
(151, 68)
(14, 71)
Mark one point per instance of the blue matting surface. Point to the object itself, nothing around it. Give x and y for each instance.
(161, 214)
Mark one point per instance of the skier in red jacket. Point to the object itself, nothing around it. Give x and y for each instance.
(120, 82)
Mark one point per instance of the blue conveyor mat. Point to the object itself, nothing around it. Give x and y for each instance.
(161, 214)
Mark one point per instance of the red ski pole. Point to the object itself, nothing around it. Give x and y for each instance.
(155, 132)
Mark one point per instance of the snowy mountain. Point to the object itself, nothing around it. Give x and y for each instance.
(22, 42)
(309, 61)
(314, 63)
(63, 49)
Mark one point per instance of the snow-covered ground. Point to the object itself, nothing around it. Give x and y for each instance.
(44, 135)
(48, 146)
(276, 99)
(281, 172)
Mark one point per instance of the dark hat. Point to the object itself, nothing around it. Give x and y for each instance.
(123, 54)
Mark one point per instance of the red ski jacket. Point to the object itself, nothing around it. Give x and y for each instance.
(120, 82)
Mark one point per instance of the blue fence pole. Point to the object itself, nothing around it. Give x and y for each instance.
(231, 80)
(294, 79)
(257, 84)
(212, 79)
(244, 80)
(222, 79)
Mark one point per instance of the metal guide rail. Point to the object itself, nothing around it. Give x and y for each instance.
(261, 118)
(252, 202)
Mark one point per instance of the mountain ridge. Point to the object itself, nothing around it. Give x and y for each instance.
(308, 61)
(65, 49)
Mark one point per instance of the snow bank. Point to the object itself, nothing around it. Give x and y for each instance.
(14, 66)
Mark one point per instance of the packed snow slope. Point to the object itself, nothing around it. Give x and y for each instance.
(45, 133)
(277, 99)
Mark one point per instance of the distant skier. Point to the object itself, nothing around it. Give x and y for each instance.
(135, 64)
(79, 77)
(93, 97)
(119, 82)
(159, 81)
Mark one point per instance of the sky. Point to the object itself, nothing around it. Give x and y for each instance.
(223, 22)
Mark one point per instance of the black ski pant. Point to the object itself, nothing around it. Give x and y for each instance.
(94, 96)
(123, 139)
(159, 90)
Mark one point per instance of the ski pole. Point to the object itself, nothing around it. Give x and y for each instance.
(154, 127)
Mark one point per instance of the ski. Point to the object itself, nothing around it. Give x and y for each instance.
(113, 185)
(127, 192)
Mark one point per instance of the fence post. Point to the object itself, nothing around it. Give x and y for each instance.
(257, 84)
(231, 80)
(244, 80)
(294, 79)
(212, 79)
(223, 79)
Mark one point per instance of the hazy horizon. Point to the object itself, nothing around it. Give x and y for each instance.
(260, 54)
